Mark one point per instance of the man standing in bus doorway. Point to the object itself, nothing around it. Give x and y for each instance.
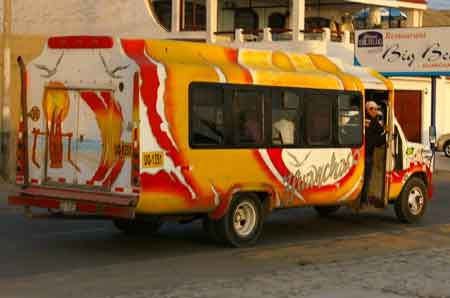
(375, 136)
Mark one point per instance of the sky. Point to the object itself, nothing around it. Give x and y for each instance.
(439, 4)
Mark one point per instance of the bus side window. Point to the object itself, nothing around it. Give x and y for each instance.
(318, 119)
(248, 117)
(285, 118)
(207, 125)
(350, 130)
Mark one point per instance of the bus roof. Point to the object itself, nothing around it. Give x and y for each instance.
(264, 67)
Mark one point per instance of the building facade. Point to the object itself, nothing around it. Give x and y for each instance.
(323, 26)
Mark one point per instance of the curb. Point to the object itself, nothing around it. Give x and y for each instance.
(7, 189)
(11, 210)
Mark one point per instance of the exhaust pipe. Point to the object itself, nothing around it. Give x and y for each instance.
(23, 104)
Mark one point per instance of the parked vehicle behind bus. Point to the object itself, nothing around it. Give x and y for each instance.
(144, 131)
(443, 144)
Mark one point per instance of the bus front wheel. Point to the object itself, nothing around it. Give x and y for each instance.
(242, 225)
(410, 206)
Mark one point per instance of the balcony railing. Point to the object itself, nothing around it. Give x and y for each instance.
(271, 34)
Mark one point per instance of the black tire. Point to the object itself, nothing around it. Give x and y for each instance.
(244, 232)
(147, 226)
(447, 149)
(209, 226)
(411, 205)
(326, 210)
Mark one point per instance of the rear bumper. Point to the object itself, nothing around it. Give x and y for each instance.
(86, 204)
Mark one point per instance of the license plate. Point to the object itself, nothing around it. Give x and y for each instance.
(124, 150)
(68, 206)
(152, 159)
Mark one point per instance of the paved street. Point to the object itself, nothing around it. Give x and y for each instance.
(299, 255)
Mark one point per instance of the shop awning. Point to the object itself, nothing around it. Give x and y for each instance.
(412, 4)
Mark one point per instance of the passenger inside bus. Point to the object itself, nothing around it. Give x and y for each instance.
(251, 128)
(375, 136)
(283, 132)
(285, 118)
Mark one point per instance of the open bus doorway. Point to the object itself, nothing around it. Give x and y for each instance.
(377, 187)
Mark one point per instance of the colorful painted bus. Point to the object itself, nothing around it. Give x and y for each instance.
(146, 131)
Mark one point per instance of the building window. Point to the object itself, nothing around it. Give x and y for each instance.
(349, 120)
(162, 10)
(277, 20)
(319, 117)
(207, 125)
(194, 15)
(246, 18)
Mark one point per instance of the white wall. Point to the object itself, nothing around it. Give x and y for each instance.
(424, 85)
(51, 17)
(443, 104)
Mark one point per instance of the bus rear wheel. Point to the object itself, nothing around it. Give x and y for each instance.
(242, 225)
(147, 226)
(410, 206)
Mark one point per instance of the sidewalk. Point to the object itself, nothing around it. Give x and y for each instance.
(419, 273)
(6, 189)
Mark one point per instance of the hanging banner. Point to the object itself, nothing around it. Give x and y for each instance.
(405, 51)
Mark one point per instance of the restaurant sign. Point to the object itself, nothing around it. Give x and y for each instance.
(405, 52)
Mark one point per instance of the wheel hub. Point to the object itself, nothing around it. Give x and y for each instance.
(415, 201)
(244, 219)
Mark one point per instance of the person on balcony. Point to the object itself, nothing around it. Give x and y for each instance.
(347, 24)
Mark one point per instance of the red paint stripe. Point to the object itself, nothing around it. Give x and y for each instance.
(81, 42)
(62, 180)
(119, 189)
(86, 207)
(34, 181)
(135, 49)
(122, 212)
(94, 102)
(82, 207)
(98, 107)
(163, 182)
(114, 173)
(36, 202)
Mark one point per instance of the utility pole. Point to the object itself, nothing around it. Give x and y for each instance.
(5, 97)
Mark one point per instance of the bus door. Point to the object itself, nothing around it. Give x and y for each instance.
(378, 191)
(84, 128)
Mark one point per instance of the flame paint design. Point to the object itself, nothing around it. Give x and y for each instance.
(166, 70)
(109, 120)
(56, 107)
(165, 77)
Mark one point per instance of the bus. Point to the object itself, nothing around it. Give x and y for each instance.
(142, 132)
